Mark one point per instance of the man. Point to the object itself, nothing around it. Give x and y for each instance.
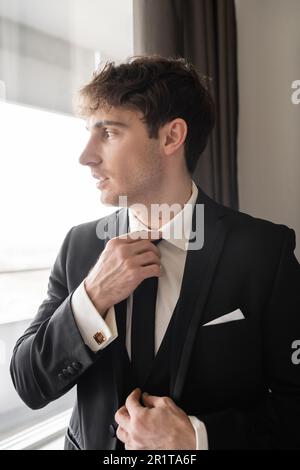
(218, 368)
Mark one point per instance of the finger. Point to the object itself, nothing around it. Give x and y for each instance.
(142, 246)
(145, 259)
(151, 271)
(133, 401)
(152, 401)
(147, 235)
(122, 417)
(141, 235)
(121, 434)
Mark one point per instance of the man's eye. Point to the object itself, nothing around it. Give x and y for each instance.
(107, 133)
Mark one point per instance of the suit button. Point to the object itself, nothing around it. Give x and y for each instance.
(71, 370)
(112, 430)
(61, 377)
(76, 365)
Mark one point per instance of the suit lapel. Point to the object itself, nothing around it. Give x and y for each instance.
(197, 278)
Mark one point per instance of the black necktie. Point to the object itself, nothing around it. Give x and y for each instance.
(143, 327)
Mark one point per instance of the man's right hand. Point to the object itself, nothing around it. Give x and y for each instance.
(124, 263)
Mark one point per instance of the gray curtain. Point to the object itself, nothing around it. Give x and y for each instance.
(204, 32)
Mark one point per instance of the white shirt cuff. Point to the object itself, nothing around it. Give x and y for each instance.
(201, 434)
(96, 333)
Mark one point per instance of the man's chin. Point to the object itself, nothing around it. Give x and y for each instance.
(108, 199)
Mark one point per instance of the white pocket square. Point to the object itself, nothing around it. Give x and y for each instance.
(232, 316)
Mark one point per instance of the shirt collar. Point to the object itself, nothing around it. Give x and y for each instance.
(177, 230)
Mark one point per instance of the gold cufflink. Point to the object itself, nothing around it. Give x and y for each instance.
(99, 337)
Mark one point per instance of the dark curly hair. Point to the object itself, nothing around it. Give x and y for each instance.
(162, 89)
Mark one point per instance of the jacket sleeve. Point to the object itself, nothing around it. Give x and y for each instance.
(274, 422)
(51, 355)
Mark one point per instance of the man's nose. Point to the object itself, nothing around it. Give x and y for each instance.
(90, 155)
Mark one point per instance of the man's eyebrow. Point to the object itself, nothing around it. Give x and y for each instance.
(99, 124)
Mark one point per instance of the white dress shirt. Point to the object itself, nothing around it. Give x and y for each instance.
(173, 249)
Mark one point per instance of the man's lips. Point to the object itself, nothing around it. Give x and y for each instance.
(101, 182)
(99, 177)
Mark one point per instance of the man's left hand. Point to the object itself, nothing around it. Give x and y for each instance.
(160, 424)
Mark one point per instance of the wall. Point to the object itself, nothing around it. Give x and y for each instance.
(269, 137)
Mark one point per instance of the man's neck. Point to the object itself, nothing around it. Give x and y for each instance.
(157, 213)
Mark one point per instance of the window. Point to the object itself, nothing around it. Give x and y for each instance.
(47, 51)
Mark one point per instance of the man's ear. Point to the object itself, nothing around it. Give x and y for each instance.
(173, 135)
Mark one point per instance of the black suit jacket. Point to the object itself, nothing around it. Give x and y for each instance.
(238, 377)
